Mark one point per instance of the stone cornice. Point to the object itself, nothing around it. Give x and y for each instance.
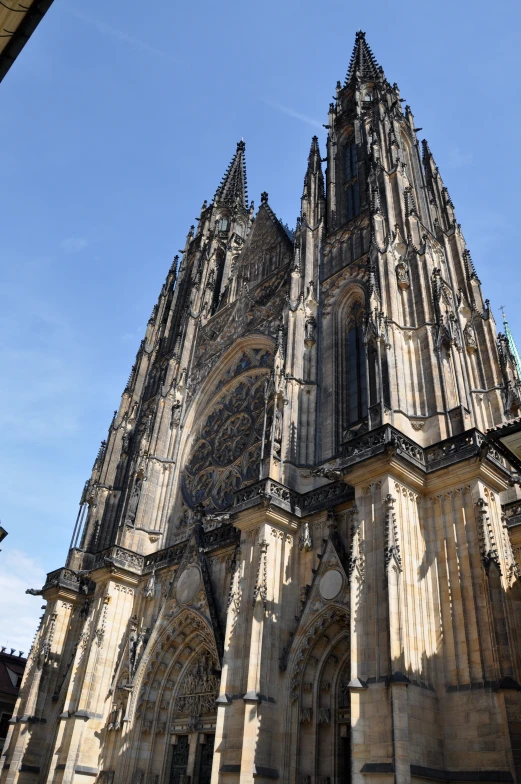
(388, 440)
(271, 493)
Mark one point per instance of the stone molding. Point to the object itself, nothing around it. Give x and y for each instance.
(471, 443)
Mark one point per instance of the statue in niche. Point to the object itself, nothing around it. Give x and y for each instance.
(137, 644)
(162, 376)
(133, 502)
(343, 692)
(305, 542)
(277, 430)
(470, 338)
(402, 275)
(116, 717)
(150, 587)
(125, 442)
(310, 331)
(184, 520)
(175, 416)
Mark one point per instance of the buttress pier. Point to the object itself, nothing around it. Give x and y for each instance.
(291, 560)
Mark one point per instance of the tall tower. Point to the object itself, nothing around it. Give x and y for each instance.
(291, 560)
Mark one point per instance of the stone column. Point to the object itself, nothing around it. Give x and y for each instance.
(248, 736)
(76, 750)
(32, 722)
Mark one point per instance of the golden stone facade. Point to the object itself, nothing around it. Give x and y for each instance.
(291, 560)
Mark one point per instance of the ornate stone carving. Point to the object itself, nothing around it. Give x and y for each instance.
(260, 590)
(469, 336)
(306, 715)
(198, 689)
(133, 503)
(402, 275)
(324, 716)
(392, 550)
(310, 331)
(489, 553)
(305, 540)
(150, 587)
(226, 454)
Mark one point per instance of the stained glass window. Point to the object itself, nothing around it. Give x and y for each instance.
(351, 182)
(356, 369)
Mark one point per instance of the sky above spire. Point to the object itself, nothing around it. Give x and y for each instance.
(233, 189)
(362, 60)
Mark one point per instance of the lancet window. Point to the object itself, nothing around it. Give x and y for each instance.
(351, 182)
(219, 263)
(356, 367)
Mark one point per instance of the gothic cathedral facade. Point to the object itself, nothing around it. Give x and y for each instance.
(291, 561)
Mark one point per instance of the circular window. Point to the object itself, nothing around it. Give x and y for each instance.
(227, 453)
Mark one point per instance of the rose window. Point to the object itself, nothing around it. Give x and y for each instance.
(226, 452)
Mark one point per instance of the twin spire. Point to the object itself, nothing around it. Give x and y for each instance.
(233, 188)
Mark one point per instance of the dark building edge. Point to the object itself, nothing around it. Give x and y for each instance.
(23, 32)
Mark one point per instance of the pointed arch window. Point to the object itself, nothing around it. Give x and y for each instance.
(222, 224)
(350, 162)
(351, 182)
(356, 367)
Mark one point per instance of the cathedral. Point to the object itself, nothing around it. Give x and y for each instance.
(291, 560)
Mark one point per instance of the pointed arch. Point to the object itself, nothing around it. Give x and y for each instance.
(165, 644)
(174, 691)
(318, 714)
(352, 357)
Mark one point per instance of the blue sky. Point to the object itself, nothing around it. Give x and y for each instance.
(117, 124)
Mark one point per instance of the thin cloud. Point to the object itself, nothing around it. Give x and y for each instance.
(292, 113)
(136, 333)
(74, 244)
(121, 35)
(459, 158)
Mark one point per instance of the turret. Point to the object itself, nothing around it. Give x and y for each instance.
(394, 263)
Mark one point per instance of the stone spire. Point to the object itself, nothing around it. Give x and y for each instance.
(362, 61)
(233, 188)
(314, 170)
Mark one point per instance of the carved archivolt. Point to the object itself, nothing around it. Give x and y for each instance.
(333, 615)
(199, 688)
(342, 281)
(177, 658)
(319, 706)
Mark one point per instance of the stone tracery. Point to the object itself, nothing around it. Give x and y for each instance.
(226, 453)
